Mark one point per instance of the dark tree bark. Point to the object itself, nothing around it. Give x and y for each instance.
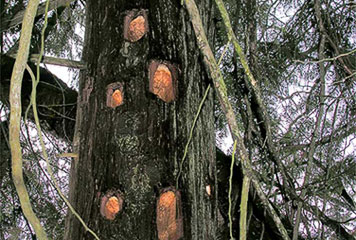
(137, 147)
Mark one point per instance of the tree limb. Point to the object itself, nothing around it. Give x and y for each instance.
(220, 87)
(15, 117)
(55, 61)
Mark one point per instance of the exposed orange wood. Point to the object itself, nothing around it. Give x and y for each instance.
(116, 98)
(112, 207)
(137, 28)
(169, 224)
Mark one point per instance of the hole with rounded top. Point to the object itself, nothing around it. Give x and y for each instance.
(169, 215)
(112, 207)
(117, 98)
(135, 25)
(137, 28)
(114, 95)
(163, 80)
(111, 204)
(208, 190)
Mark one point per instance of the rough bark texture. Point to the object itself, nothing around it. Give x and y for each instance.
(137, 147)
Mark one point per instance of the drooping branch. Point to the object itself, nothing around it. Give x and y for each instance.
(220, 87)
(15, 117)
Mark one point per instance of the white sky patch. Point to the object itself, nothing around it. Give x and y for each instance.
(61, 72)
(226, 142)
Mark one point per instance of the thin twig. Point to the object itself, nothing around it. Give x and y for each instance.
(327, 59)
(344, 79)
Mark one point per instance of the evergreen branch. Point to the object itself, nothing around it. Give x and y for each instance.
(15, 118)
(328, 59)
(253, 85)
(316, 132)
(191, 135)
(16, 20)
(262, 116)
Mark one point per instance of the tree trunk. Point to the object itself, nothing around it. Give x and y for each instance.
(136, 148)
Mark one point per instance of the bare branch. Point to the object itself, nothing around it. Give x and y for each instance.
(15, 117)
(55, 61)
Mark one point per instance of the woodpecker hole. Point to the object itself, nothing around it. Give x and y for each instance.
(169, 215)
(116, 98)
(163, 80)
(137, 29)
(114, 95)
(135, 25)
(111, 205)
